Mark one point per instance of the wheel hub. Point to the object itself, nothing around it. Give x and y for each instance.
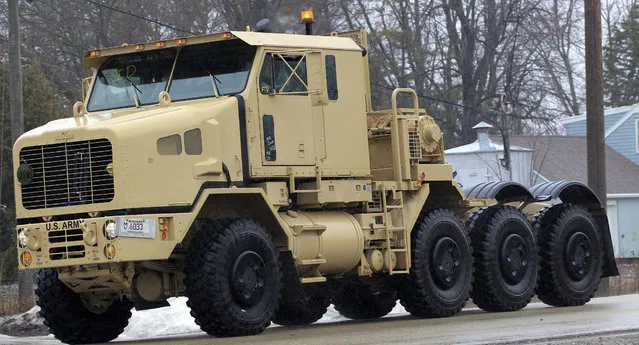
(578, 256)
(247, 279)
(445, 262)
(513, 258)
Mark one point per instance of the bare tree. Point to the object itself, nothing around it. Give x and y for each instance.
(559, 42)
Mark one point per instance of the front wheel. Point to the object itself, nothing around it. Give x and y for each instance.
(441, 272)
(232, 278)
(69, 317)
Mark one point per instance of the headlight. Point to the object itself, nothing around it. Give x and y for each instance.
(109, 230)
(23, 239)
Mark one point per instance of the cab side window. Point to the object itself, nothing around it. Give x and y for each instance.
(284, 74)
(331, 77)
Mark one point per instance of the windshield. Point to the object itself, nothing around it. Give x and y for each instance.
(203, 70)
(125, 80)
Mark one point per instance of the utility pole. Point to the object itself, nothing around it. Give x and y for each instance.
(15, 71)
(25, 278)
(594, 101)
(2, 109)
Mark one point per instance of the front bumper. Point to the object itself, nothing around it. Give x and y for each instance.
(87, 241)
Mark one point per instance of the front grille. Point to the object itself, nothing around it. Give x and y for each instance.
(68, 235)
(68, 174)
(67, 252)
(66, 241)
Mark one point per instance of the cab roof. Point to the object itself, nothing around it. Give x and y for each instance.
(95, 58)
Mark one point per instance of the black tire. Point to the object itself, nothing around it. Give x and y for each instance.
(232, 278)
(358, 300)
(441, 272)
(309, 309)
(69, 320)
(570, 255)
(505, 258)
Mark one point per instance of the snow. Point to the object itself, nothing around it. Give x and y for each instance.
(162, 322)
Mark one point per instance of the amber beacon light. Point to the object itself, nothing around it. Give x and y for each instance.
(307, 16)
(308, 20)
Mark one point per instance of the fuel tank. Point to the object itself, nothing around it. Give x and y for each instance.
(333, 242)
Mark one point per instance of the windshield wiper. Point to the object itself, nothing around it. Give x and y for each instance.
(135, 91)
(214, 80)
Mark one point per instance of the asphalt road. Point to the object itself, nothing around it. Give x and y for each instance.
(611, 320)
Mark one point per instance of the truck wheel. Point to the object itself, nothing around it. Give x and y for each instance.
(570, 255)
(505, 256)
(232, 278)
(441, 272)
(306, 311)
(70, 321)
(358, 300)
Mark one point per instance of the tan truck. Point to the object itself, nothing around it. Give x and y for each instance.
(248, 172)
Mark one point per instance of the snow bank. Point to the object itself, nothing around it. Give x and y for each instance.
(25, 324)
(172, 320)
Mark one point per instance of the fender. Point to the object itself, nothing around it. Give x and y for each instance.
(503, 192)
(241, 202)
(573, 192)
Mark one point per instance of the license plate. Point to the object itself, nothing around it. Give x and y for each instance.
(134, 227)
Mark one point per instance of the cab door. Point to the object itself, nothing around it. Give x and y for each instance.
(286, 111)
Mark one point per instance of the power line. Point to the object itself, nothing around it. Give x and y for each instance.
(151, 20)
(434, 99)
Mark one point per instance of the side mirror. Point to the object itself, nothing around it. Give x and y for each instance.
(316, 78)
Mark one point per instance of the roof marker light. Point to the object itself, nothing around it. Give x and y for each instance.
(160, 44)
(181, 41)
(94, 53)
(139, 46)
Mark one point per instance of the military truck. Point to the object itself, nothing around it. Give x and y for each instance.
(249, 172)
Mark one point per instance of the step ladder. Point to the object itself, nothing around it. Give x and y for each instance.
(397, 238)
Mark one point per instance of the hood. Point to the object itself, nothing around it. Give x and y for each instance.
(123, 116)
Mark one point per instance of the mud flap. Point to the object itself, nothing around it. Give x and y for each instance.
(609, 264)
(292, 289)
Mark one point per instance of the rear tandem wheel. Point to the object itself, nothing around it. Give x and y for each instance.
(441, 272)
(505, 256)
(570, 254)
(357, 299)
(306, 310)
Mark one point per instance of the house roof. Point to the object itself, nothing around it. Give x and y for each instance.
(564, 158)
(490, 146)
(482, 125)
(626, 113)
